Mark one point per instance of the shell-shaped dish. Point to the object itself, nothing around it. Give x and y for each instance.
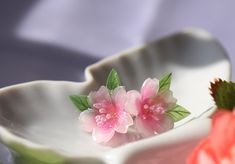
(39, 123)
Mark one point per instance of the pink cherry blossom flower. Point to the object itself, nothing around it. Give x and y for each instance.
(106, 115)
(149, 108)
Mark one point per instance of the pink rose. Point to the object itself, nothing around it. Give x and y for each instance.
(219, 146)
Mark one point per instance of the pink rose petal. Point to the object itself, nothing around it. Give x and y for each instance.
(205, 158)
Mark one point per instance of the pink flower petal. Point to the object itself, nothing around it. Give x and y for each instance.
(142, 127)
(205, 158)
(168, 98)
(86, 120)
(223, 131)
(124, 122)
(98, 96)
(151, 126)
(164, 124)
(100, 135)
(133, 104)
(149, 88)
(119, 97)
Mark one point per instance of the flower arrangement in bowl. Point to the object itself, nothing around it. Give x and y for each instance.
(41, 125)
(112, 109)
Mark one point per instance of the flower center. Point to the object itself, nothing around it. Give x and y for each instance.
(151, 108)
(105, 113)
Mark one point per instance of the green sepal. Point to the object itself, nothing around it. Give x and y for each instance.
(223, 93)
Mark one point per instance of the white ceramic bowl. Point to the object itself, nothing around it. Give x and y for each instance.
(39, 123)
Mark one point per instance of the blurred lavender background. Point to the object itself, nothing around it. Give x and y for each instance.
(57, 39)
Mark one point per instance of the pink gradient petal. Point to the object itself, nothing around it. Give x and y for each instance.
(100, 95)
(86, 120)
(222, 132)
(151, 126)
(150, 88)
(124, 122)
(205, 158)
(133, 104)
(168, 99)
(101, 136)
(142, 127)
(119, 97)
(164, 124)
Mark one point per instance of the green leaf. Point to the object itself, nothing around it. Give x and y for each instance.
(223, 93)
(165, 82)
(178, 113)
(113, 80)
(80, 101)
